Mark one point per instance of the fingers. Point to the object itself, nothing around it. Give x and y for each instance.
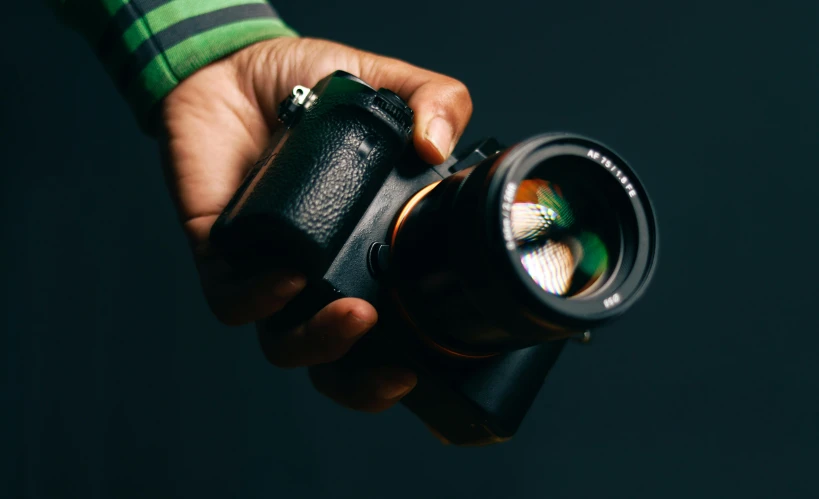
(235, 302)
(326, 337)
(369, 389)
(324, 343)
(442, 105)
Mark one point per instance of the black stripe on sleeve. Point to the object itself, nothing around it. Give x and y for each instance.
(110, 46)
(185, 29)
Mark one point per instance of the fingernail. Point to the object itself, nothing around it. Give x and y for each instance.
(290, 286)
(440, 134)
(396, 388)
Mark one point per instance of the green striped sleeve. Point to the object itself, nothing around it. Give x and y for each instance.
(149, 46)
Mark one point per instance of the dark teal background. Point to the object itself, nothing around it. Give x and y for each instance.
(115, 381)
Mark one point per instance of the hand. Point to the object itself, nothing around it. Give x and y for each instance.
(218, 122)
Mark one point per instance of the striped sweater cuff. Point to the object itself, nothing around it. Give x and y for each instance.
(149, 46)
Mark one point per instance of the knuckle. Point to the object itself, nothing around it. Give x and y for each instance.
(459, 91)
(456, 96)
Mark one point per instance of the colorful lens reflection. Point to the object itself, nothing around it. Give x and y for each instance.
(561, 256)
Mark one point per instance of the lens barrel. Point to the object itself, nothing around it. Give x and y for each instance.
(544, 240)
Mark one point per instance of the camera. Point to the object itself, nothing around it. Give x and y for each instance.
(481, 268)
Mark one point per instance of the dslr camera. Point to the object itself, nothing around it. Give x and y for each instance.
(481, 268)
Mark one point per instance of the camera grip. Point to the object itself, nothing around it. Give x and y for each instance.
(302, 200)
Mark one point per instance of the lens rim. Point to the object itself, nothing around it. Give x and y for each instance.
(516, 165)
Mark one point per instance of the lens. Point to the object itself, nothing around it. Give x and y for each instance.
(561, 252)
(538, 242)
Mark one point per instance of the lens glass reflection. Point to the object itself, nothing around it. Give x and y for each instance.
(558, 244)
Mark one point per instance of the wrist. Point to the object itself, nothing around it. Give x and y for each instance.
(245, 78)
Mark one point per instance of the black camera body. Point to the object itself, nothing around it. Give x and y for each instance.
(342, 197)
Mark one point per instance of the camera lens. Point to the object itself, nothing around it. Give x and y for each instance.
(559, 240)
(538, 242)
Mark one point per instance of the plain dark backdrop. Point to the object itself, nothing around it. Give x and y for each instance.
(117, 382)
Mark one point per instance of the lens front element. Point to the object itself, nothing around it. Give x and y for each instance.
(562, 255)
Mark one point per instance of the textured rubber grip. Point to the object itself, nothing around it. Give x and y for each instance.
(302, 200)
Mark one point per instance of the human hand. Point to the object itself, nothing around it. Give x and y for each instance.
(216, 125)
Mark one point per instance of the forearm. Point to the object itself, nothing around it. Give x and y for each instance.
(149, 46)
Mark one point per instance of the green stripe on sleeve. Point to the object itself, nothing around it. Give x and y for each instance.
(170, 13)
(149, 46)
(164, 40)
(156, 81)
